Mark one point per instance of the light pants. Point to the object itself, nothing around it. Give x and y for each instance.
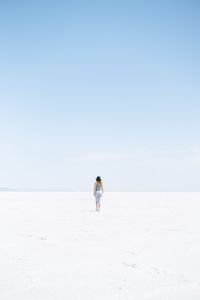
(98, 197)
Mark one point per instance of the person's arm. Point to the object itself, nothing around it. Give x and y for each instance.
(94, 189)
(102, 188)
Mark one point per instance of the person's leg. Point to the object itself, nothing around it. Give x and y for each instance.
(99, 203)
(96, 202)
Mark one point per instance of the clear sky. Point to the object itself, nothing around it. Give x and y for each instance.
(109, 88)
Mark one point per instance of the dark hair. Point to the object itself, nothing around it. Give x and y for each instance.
(98, 178)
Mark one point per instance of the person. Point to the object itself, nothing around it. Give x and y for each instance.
(98, 192)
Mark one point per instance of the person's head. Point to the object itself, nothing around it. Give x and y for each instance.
(98, 180)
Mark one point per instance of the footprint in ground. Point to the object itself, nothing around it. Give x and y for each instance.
(134, 266)
(43, 238)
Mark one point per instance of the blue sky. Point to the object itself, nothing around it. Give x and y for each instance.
(106, 88)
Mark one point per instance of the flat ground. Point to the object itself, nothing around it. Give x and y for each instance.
(55, 246)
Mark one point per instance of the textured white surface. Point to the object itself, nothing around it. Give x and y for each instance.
(140, 246)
